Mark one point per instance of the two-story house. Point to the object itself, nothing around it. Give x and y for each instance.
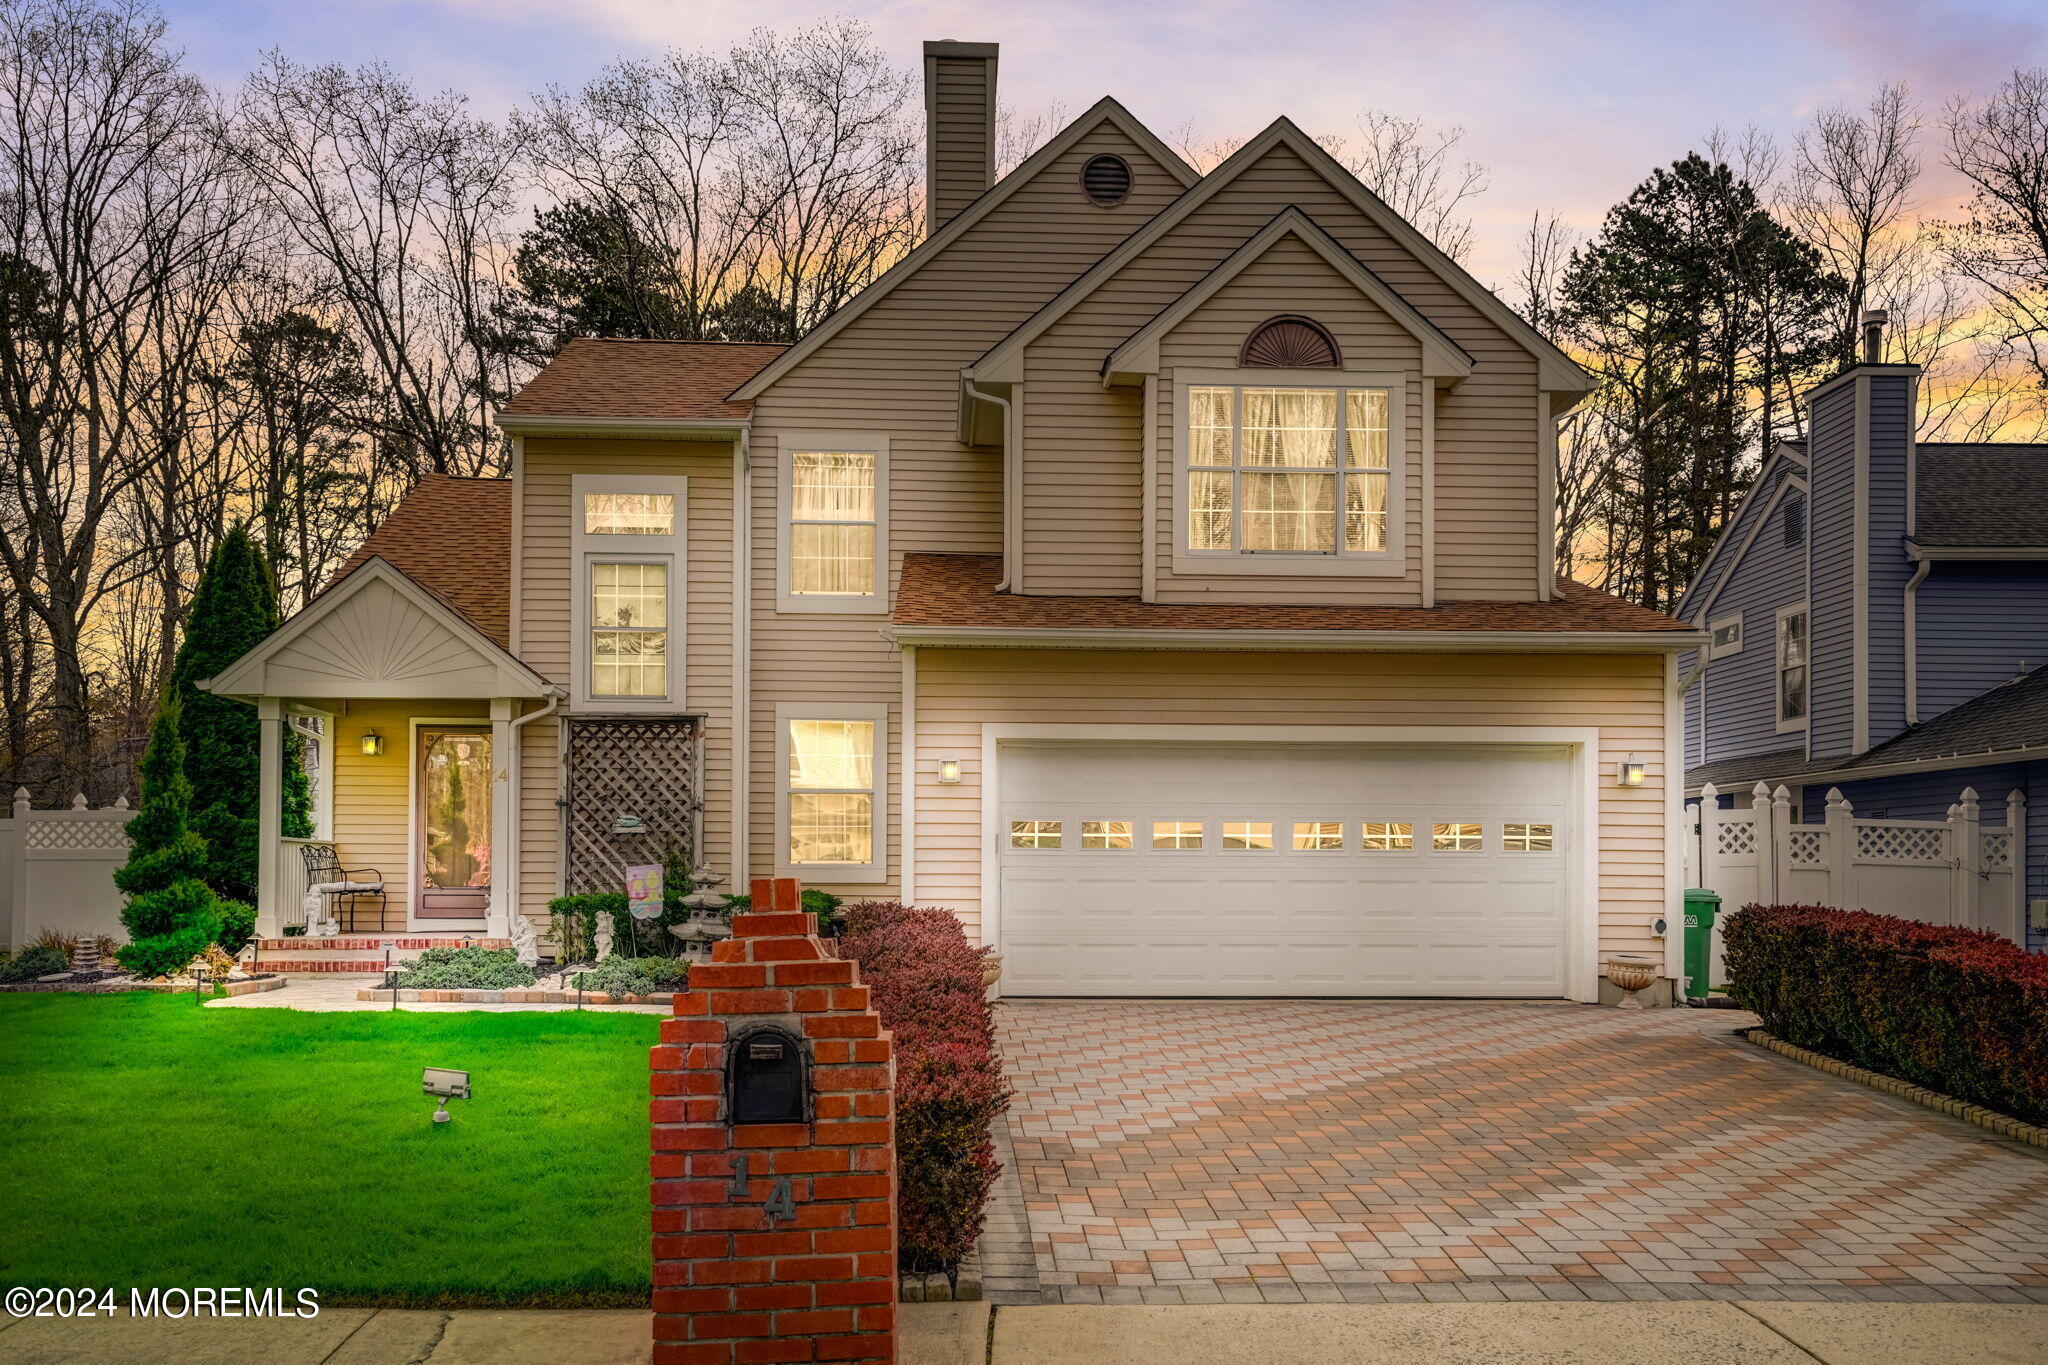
(1877, 614)
(1153, 568)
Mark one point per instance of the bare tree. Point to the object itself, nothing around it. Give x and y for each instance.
(402, 201)
(1417, 173)
(1019, 135)
(1851, 197)
(2000, 145)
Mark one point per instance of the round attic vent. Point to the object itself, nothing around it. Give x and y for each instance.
(1106, 180)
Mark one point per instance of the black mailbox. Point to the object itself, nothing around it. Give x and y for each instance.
(767, 1077)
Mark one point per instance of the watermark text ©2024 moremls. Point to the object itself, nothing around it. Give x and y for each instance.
(204, 1301)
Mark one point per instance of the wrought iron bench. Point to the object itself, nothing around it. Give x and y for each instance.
(356, 885)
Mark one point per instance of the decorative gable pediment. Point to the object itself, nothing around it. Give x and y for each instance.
(378, 634)
(1442, 359)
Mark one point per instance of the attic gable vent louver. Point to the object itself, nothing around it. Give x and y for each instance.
(1290, 342)
(1106, 180)
(1795, 521)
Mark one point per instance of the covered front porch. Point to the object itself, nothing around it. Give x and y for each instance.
(404, 722)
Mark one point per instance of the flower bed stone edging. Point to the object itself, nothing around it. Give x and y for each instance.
(249, 987)
(512, 996)
(2002, 1124)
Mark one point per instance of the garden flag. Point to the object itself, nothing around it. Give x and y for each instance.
(643, 891)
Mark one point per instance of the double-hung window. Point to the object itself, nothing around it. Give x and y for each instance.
(1792, 669)
(835, 522)
(1284, 476)
(832, 761)
(627, 535)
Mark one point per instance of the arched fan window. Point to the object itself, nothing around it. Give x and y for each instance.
(1290, 342)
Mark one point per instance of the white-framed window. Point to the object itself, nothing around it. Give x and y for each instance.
(627, 540)
(1724, 635)
(831, 764)
(1792, 676)
(1289, 472)
(834, 512)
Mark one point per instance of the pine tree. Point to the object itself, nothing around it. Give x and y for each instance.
(171, 913)
(233, 608)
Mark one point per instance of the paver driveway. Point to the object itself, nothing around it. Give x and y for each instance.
(1206, 1151)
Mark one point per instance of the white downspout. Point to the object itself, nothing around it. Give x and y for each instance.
(1010, 508)
(742, 652)
(1913, 641)
(515, 827)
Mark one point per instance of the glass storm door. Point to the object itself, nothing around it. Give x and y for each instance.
(454, 823)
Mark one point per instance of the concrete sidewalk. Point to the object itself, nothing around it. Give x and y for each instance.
(975, 1334)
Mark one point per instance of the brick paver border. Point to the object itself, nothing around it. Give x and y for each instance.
(2003, 1124)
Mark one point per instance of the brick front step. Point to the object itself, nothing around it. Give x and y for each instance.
(324, 966)
(300, 945)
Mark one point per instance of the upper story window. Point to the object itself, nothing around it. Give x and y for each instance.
(1284, 477)
(835, 523)
(1724, 636)
(1792, 672)
(628, 541)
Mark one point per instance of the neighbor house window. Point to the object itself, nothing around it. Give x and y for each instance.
(832, 764)
(629, 629)
(1290, 470)
(627, 542)
(835, 536)
(1456, 838)
(1793, 680)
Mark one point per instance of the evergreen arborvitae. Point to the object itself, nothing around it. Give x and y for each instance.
(234, 607)
(171, 914)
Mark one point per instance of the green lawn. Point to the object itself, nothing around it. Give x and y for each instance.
(149, 1142)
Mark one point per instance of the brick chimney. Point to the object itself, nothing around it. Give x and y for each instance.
(959, 127)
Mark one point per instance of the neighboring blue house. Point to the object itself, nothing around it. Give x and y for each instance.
(1878, 609)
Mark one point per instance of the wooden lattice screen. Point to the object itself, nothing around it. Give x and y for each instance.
(645, 766)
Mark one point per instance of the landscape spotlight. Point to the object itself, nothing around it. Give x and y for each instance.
(449, 1085)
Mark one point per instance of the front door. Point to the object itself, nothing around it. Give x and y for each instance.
(453, 823)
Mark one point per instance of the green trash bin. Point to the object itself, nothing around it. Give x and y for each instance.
(1701, 906)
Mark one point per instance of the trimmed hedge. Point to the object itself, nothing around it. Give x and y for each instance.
(925, 980)
(1961, 1011)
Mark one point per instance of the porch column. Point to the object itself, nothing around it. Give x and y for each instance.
(504, 815)
(269, 812)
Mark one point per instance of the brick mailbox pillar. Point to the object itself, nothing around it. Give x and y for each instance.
(773, 1240)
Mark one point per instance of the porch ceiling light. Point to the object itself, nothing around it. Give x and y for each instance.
(1630, 773)
(373, 744)
(949, 770)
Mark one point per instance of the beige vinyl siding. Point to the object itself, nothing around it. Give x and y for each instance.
(961, 690)
(893, 372)
(961, 117)
(546, 581)
(372, 817)
(1489, 532)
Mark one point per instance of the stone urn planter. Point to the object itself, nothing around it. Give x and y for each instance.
(991, 970)
(1632, 972)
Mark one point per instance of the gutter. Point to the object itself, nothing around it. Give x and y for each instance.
(515, 792)
(1912, 630)
(706, 429)
(1334, 641)
(1925, 553)
(742, 655)
(1011, 511)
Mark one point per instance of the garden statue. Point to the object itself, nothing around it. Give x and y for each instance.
(525, 941)
(706, 924)
(319, 922)
(85, 954)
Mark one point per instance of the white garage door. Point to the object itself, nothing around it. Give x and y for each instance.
(1283, 869)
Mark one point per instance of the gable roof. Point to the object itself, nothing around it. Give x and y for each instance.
(378, 634)
(1556, 371)
(1991, 495)
(1761, 496)
(452, 537)
(1103, 111)
(642, 381)
(957, 592)
(1139, 355)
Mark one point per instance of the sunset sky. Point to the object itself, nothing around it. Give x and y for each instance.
(1568, 104)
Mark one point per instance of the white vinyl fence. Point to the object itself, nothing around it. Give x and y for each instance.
(1955, 871)
(57, 869)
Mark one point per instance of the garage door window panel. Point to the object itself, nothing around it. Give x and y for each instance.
(1318, 836)
(1457, 837)
(1034, 834)
(1106, 834)
(1389, 836)
(1177, 835)
(1248, 836)
(1527, 838)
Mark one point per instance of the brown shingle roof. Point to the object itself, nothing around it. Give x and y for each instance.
(959, 590)
(675, 380)
(453, 537)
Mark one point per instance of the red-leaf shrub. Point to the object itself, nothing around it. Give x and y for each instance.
(925, 980)
(1961, 1011)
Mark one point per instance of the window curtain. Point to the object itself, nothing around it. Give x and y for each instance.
(832, 559)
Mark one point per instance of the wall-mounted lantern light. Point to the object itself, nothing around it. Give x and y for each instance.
(1630, 774)
(949, 770)
(373, 744)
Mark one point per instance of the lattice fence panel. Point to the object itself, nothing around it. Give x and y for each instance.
(75, 835)
(1997, 848)
(643, 766)
(1737, 836)
(1808, 847)
(1902, 843)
